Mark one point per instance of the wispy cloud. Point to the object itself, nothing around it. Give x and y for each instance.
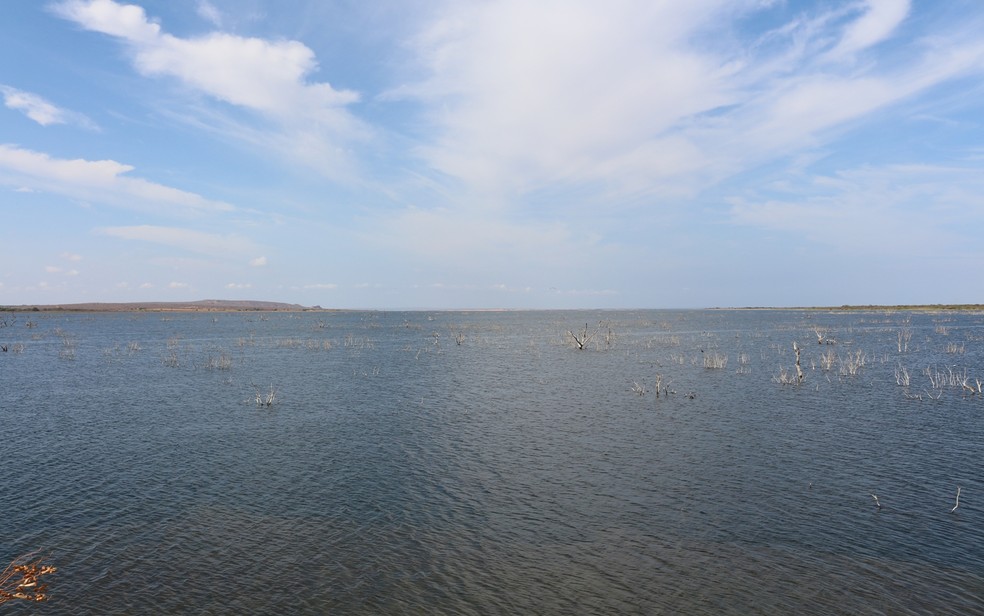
(42, 111)
(105, 181)
(634, 97)
(184, 239)
(58, 270)
(207, 11)
(892, 211)
(879, 20)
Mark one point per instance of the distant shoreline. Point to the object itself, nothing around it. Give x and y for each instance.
(218, 305)
(873, 308)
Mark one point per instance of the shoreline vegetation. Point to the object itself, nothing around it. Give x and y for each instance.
(873, 308)
(220, 305)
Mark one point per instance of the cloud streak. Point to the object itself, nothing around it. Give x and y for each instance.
(184, 239)
(41, 110)
(106, 181)
(880, 19)
(893, 211)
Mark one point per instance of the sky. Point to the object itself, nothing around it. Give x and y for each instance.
(488, 154)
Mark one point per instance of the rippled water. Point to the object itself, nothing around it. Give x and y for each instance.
(398, 471)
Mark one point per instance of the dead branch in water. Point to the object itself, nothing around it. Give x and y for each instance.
(799, 371)
(581, 339)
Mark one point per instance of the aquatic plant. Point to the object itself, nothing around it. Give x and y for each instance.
(265, 399)
(457, 334)
(715, 361)
(822, 337)
(22, 579)
(318, 345)
(851, 364)
(663, 387)
(171, 360)
(67, 350)
(784, 377)
(904, 337)
(955, 348)
(218, 362)
(902, 376)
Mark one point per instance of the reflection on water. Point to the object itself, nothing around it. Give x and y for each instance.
(400, 471)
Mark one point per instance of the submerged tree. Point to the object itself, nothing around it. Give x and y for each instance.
(581, 339)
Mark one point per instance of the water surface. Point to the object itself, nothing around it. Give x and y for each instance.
(398, 471)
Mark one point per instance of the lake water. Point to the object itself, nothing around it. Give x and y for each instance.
(400, 472)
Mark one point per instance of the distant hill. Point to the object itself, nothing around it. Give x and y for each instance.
(205, 305)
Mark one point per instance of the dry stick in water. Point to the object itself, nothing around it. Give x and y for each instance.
(958, 501)
(799, 371)
(582, 340)
(877, 503)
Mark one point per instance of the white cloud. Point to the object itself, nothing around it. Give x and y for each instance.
(54, 269)
(527, 94)
(258, 262)
(235, 285)
(177, 285)
(269, 77)
(508, 289)
(633, 97)
(68, 256)
(321, 286)
(184, 239)
(880, 19)
(207, 11)
(98, 180)
(42, 111)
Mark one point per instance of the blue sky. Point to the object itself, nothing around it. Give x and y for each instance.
(492, 154)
